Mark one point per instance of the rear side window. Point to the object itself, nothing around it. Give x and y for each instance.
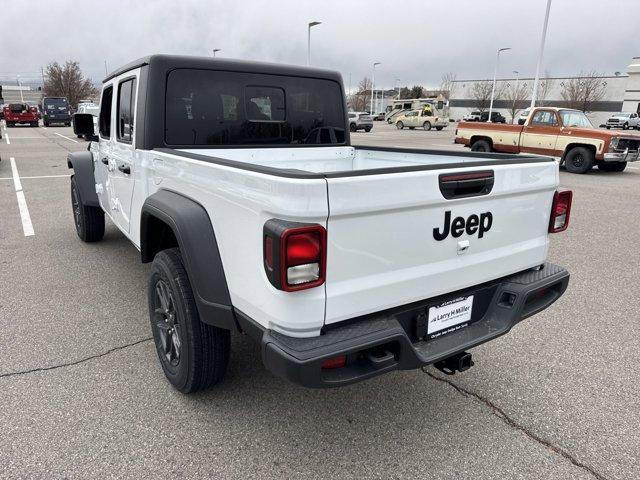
(105, 112)
(206, 107)
(126, 108)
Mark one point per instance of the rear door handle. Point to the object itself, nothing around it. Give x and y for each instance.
(105, 160)
(124, 168)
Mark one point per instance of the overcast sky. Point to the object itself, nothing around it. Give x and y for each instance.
(414, 40)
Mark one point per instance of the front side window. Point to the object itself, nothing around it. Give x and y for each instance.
(544, 118)
(126, 109)
(105, 112)
(207, 107)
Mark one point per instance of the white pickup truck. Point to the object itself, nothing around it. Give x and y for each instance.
(238, 182)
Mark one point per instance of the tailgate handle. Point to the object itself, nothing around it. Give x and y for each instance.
(463, 185)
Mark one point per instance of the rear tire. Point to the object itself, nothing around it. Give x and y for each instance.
(367, 129)
(426, 126)
(412, 128)
(625, 126)
(579, 160)
(439, 128)
(89, 221)
(193, 355)
(612, 166)
(399, 125)
(481, 146)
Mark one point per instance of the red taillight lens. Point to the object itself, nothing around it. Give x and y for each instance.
(560, 211)
(294, 254)
(335, 362)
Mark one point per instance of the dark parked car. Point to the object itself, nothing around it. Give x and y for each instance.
(496, 117)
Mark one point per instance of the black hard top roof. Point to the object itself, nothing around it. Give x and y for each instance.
(170, 62)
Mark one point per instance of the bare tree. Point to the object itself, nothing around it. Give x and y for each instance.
(359, 101)
(67, 81)
(448, 84)
(481, 93)
(515, 97)
(583, 91)
(544, 89)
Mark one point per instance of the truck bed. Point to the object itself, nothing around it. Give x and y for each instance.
(345, 161)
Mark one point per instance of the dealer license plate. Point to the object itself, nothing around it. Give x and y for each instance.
(449, 316)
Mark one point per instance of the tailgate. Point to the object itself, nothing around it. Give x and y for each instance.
(382, 248)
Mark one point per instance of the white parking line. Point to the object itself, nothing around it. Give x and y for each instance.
(64, 136)
(27, 226)
(6, 137)
(66, 175)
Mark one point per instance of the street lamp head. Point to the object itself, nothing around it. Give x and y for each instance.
(516, 72)
(313, 24)
(376, 63)
(504, 49)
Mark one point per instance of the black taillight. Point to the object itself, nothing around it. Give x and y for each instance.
(560, 211)
(294, 254)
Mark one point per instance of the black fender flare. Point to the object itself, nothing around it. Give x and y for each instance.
(82, 165)
(196, 239)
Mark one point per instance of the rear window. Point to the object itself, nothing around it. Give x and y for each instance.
(205, 107)
(55, 104)
(17, 107)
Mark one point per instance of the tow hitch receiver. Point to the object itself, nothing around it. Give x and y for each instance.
(459, 362)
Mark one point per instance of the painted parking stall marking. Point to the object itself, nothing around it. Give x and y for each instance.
(27, 226)
(68, 138)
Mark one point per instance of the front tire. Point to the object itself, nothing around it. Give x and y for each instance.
(426, 126)
(89, 221)
(481, 146)
(612, 166)
(625, 126)
(368, 129)
(579, 160)
(193, 355)
(439, 128)
(353, 127)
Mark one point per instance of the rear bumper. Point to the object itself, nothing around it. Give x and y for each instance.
(502, 304)
(57, 118)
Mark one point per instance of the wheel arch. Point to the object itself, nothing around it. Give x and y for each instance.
(82, 165)
(168, 220)
(571, 146)
(476, 138)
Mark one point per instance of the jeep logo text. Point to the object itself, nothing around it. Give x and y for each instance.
(459, 225)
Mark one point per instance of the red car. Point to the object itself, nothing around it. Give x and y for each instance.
(20, 113)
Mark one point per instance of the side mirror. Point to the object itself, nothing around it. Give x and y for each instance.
(83, 124)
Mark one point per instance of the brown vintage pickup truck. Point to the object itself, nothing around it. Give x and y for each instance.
(557, 132)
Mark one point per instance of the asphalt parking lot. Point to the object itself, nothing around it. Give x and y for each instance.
(83, 395)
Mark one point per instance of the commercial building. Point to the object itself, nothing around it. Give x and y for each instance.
(620, 92)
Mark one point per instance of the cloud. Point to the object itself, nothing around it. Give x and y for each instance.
(416, 41)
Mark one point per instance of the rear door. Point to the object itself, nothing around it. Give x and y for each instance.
(395, 238)
(123, 151)
(541, 133)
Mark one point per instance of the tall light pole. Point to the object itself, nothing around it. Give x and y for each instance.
(398, 81)
(495, 74)
(540, 52)
(373, 83)
(515, 94)
(216, 50)
(20, 88)
(311, 24)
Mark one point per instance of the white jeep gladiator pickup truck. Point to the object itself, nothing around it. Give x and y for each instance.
(237, 180)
